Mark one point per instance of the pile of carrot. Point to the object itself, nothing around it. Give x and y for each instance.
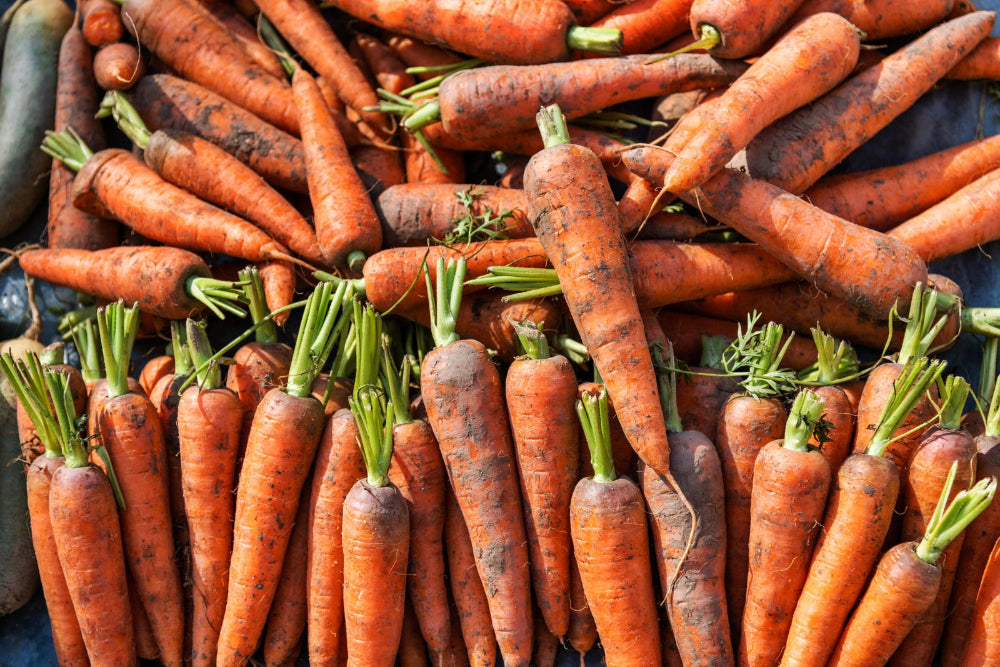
(675, 401)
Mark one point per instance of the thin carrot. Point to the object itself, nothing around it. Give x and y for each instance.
(790, 485)
(608, 525)
(836, 361)
(130, 429)
(796, 151)
(245, 33)
(582, 633)
(154, 369)
(906, 581)
(646, 24)
(378, 167)
(281, 444)
(879, 19)
(412, 647)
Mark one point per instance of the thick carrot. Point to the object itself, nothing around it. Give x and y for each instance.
(339, 465)
(172, 285)
(471, 603)
(165, 101)
(886, 197)
(646, 24)
(736, 30)
(131, 431)
(345, 219)
(101, 22)
(209, 417)
(238, 25)
(832, 259)
(77, 101)
(546, 450)
(790, 485)
(118, 66)
(906, 581)
(216, 176)
(579, 87)
(471, 425)
(879, 19)
(796, 151)
(195, 46)
(608, 525)
(282, 443)
(805, 63)
(288, 617)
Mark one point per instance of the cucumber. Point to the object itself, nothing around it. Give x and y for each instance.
(18, 571)
(27, 106)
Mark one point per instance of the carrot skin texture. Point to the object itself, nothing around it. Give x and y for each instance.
(981, 63)
(789, 496)
(983, 645)
(839, 412)
(208, 430)
(579, 87)
(339, 465)
(879, 19)
(796, 151)
(646, 24)
(85, 524)
(696, 607)
(133, 436)
(288, 616)
(118, 66)
(465, 407)
(101, 22)
(857, 518)
(256, 369)
(376, 549)
(582, 633)
(417, 470)
(282, 443)
(164, 101)
(66, 636)
(345, 218)
(608, 524)
(744, 28)
(238, 25)
(545, 443)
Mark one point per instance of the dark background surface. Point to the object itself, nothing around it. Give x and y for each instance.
(951, 114)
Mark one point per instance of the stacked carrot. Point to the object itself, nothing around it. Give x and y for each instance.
(406, 464)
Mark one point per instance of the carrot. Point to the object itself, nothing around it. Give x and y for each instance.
(345, 220)
(154, 369)
(646, 24)
(131, 431)
(376, 528)
(216, 176)
(943, 447)
(208, 430)
(790, 484)
(737, 30)
(546, 451)
(857, 519)
(420, 54)
(703, 391)
(906, 581)
(582, 633)
(470, 423)
(579, 87)
(796, 151)
(101, 22)
(805, 63)
(546, 644)
(118, 66)
(167, 101)
(195, 46)
(608, 525)
(379, 168)
(748, 421)
(418, 471)
(879, 19)
(837, 361)
(982, 646)
(412, 647)
(886, 197)
(145, 643)
(981, 63)
(238, 25)
(760, 210)
(980, 537)
(695, 604)
(339, 465)
(471, 602)
(176, 283)
(77, 101)
(545, 30)
(281, 445)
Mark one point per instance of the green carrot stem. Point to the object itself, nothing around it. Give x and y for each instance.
(444, 299)
(802, 420)
(552, 125)
(398, 385)
(317, 336)
(571, 348)
(200, 350)
(988, 368)
(68, 147)
(117, 326)
(375, 421)
(914, 379)
(662, 354)
(368, 353)
(708, 38)
(531, 339)
(523, 282)
(754, 359)
(603, 41)
(183, 365)
(950, 519)
(87, 342)
(116, 105)
(593, 413)
(422, 116)
(953, 390)
(74, 318)
(253, 294)
(274, 41)
(922, 324)
(27, 380)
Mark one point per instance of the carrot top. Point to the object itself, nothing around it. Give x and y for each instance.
(199, 349)
(923, 322)
(593, 413)
(753, 359)
(397, 383)
(115, 105)
(666, 382)
(988, 368)
(85, 339)
(914, 379)
(444, 299)
(803, 417)
(522, 282)
(368, 348)
(953, 390)
(836, 361)
(322, 323)
(117, 326)
(375, 419)
(992, 421)
(531, 339)
(948, 522)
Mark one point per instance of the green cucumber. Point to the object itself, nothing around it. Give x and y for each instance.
(27, 106)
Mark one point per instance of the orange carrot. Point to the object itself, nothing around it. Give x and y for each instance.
(101, 22)
(982, 63)
(288, 616)
(118, 66)
(238, 25)
(737, 30)
(646, 24)
(879, 19)
(983, 644)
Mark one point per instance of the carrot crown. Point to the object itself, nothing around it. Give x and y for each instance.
(914, 379)
(444, 299)
(836, 361)
(253, 293)
(68, 147)
(593, 413)
(368, 350)
(53, 354)
(531, 339)
(118, 327)
(953, 390)
(116, 105)
(199, 348)
(87, 342)
(27, 378)
(179, 349)
(397, 383)
(552, 125)
(375, 421)
(662, 354)
(522, 282)
(754, 357)
(950, 519)
(988, 369)
(318, 332)
(922, 324)
(803, 417)
(708, 38)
